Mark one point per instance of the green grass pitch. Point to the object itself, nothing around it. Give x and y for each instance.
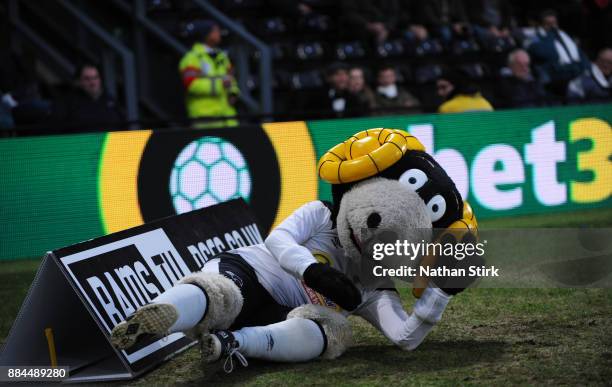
(486, 337)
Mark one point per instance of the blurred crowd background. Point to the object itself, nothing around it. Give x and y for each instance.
(330, 58)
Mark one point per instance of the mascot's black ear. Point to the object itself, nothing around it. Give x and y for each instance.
(328, 204)
(338, 191)
(333, 209)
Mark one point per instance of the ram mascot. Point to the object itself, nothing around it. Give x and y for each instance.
(288, 299)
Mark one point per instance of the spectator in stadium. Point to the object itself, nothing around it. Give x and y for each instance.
(390, 95)
(371, 21)
(595, 83)
(6, 118)
(210, 87)
(520, 88)
(459, 94)
(408, 23)
(556, 56)
(444, 18)
(358, 87)
(336, 97)
(88, 105)
(491, 19)
(22, 100)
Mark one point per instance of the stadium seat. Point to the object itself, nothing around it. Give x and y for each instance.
(280, 50)
(308, 51)
(272, 26)
(350, 50)
(500, 45)
(475, 70)
(315, 23)
(306, 80)
(428, 47)
(427, 73)
(464, 46)
(282, 79)
(393, 48)
(405, 72)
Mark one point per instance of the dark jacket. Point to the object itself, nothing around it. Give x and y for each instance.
(78, 108)
(401, 102)
(341, 103)
(590, 86)
(546, 58)
(515, 92)
(365, 99)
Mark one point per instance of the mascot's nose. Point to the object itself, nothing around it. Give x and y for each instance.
(374, 220)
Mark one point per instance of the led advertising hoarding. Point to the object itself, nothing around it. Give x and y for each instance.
(58, 190)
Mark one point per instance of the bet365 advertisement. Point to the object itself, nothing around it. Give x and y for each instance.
(59, 190)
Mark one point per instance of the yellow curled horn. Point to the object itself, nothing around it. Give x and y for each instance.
(365, 154)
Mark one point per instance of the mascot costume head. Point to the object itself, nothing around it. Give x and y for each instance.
(383, 179)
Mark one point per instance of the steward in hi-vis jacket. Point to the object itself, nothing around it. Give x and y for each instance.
(206, 71)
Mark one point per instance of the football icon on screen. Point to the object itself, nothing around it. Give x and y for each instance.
(208, 171)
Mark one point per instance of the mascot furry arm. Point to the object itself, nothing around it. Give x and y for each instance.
(286, 242)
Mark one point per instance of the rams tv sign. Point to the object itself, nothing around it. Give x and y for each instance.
(59, 190)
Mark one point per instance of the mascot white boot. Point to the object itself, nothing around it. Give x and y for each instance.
(287, 300)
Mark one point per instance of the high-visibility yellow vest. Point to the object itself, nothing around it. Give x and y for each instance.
(203, 70)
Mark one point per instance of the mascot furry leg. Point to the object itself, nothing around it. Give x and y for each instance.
(209, 302)
(310, 331)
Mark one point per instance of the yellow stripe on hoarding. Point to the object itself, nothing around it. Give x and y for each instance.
(297, 163)
(118, 179)
(51, 346)
(595, 160)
